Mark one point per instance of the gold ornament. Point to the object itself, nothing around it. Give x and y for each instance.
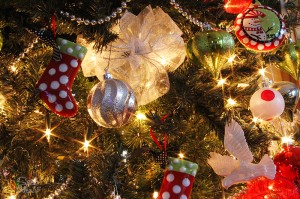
(289, 60)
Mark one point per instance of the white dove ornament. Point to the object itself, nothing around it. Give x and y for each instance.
(239, 169)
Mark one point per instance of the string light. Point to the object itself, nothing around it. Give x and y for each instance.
(231, 58)
(93, 58)
(270, 187)
(181, 155)
(86, 145)
(262, 71)
(48, 134)
(124, 155)
(141, 116)
(12, 197)
(221, 82)
(231, 102)
(287, 140)
(155, 194)
(255, 119)
(242, 85)
(2, 103)
(163, 61)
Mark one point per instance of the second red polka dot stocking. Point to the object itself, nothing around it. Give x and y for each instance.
(178, 179)
(57, 80)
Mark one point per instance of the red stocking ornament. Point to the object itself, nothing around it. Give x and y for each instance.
(56, 82)
(178, 179)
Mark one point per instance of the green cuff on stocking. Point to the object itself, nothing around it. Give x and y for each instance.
(184, 166)
(71, 48)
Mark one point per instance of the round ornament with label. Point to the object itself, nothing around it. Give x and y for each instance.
(260, 28)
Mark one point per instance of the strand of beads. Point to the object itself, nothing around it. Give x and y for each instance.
(100, 21)
(57, 192)
(189, 17)
(12, 66)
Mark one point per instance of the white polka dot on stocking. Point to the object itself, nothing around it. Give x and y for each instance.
(51, 98)
(186, 182)
(166, 195)
(63, 68)
(183, 197)
(52, 71)
(74, 63)
(170, 177)
(63, 94)
(64, 79)
(58, 107)
(69, 105)
(54, 84)
(43, 86)
(176, 189)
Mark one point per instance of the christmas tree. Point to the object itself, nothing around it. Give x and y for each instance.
(104, 99)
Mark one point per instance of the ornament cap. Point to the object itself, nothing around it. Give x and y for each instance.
(107, 75)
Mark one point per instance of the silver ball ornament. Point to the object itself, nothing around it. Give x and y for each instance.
(290, 93)
(111, 103)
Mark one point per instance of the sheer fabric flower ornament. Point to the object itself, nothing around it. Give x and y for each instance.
(149, 46)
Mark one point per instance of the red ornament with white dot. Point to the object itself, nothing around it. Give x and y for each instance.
(260, 28)
(178, 179)
(266, 104)
(55, 85)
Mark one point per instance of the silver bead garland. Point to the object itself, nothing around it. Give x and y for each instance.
(23, 54)
(193, 20)
(93, 22)
(59, 190)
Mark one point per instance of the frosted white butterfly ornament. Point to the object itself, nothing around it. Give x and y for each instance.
(240, 169)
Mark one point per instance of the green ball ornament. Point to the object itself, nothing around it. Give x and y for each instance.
(189, 52)
(211, 49)
(289, 59)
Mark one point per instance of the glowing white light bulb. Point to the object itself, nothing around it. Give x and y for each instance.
(141, 116)
(231, 102)
(48, 134)
(86, 145)
(255, 119)
(155, 194)
(181, 155)
(221, 82)
(12, 197)
(287, 140)
(262, 71)
(231, 58)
